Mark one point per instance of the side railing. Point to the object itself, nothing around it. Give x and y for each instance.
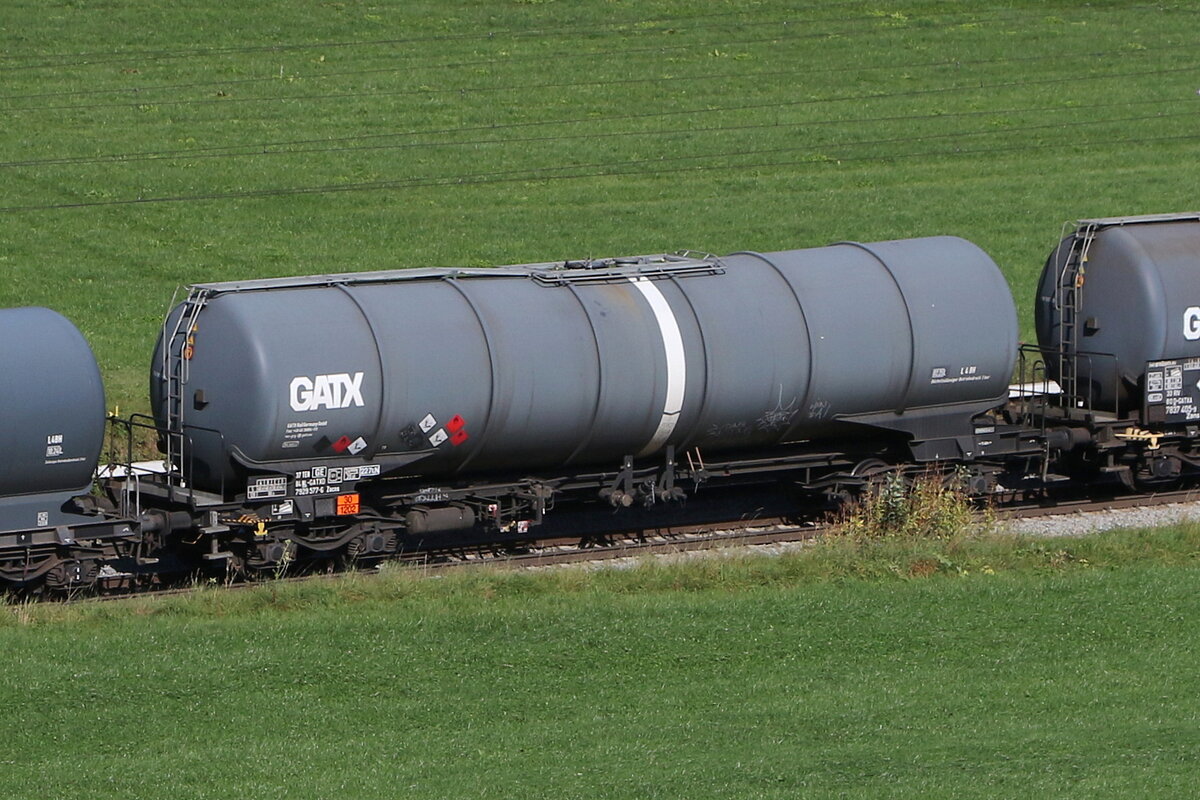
(1033, 369)
(141, 479)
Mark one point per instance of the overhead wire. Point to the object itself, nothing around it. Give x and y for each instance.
(637, 27)
(141, 91)
(598, 83)
(324, 75)
(321, 145)
(264, 149)
(535, 174)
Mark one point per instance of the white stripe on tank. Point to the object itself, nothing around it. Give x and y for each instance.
(676, 364)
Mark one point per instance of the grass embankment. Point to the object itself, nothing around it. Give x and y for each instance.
(146, 145)
(955, 667)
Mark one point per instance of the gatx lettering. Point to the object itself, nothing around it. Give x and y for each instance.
(1191, 324)
(340, 390)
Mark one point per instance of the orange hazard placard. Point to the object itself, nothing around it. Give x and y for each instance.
(347, 504)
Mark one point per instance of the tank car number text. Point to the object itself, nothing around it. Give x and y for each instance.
(967, 374)
(322, 480)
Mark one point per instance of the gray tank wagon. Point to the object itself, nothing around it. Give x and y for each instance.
(53, 530)
(350, 417)
(52, 404)
(327, 380)
(1117, 295)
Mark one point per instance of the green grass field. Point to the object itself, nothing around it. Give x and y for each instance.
(1027, 669)
(147, 145)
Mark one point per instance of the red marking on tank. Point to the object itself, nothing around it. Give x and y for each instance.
(458, 438)
(348, 504)
(341, 444)
(456, 424)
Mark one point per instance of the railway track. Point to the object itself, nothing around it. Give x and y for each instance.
(650, 542)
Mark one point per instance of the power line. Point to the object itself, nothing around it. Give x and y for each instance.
(410, 92)
(143, 90)
(636, 26)
(1138, 140)
(260, 150)
(378, 70)
(601, 83)
(190, 52)
(638, 29)
(604, 170)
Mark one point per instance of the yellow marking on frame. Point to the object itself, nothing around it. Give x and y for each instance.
(1139, 435)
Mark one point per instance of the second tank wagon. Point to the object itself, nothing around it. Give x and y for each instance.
(1115, 295)
(52, 404)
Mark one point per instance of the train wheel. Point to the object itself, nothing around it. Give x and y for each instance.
(271, 557)
(874, 473)
(369, 548)
(1159, 474)
(71, 574)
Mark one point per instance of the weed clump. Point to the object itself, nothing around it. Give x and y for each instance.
(927, 507)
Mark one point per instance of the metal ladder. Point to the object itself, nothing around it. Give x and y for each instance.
(176, 354)
(1069, 298)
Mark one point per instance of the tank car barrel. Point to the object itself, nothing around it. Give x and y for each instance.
(448, 372)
